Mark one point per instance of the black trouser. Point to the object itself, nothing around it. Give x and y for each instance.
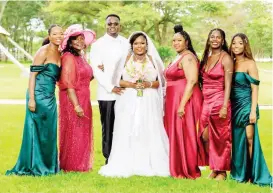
(107, 117)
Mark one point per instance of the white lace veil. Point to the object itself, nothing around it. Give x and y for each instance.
(152, 52)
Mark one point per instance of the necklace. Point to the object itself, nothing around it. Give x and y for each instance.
(136, 69)
(140, 59)
(216, 54)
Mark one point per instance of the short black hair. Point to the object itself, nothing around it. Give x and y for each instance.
(112, 15)
(135, 36)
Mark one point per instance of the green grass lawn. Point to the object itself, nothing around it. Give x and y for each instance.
(13, 85)
(12, 119)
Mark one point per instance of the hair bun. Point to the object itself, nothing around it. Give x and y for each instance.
(178, 28)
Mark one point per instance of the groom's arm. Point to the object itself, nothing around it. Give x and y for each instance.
(95, 61)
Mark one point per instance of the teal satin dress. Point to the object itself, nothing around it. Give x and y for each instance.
(39, 155)
(244, 169)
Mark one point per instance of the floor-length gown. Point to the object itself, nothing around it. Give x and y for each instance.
(140, 144)
(244, 169)
(76, 133)
(182, 132)
(219, 152)
(38, 154)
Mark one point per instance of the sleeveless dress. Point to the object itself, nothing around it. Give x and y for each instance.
(76, 133)
(38, 154)
(219, 156)
(242, 169)
(140, 144)
(182, 132)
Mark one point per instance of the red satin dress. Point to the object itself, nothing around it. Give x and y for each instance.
(76, 133)
(219, 152)
(182, 132)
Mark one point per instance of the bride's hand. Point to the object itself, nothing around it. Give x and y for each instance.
(143, 85)
(140, 85)
(147, 84)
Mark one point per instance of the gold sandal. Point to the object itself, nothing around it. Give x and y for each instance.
(212, 175)
(221, 176)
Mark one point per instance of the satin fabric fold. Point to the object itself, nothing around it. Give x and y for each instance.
(244, 169)
(38, 155)
(219, 152)
(182, 132)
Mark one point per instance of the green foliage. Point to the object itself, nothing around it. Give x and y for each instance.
(260, 27)
(156, 18)
(166, 54)
(17, 20)
(67, 13)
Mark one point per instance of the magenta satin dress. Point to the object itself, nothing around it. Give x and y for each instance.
(76, 133)
(182, 132)
(219, 153)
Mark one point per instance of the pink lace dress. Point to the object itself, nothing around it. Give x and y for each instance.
(76, 133)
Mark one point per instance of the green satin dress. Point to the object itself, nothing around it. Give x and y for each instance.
(244, 169)
(39, 155)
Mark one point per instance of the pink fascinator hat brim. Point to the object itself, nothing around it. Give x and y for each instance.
(75, 30)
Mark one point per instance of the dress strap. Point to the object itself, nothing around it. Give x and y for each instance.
(37, 68)
(183, 55)
(221, 57)
(252, 80)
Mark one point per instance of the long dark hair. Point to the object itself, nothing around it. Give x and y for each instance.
(69, 47)
(46, 40)
(247, 49)
(207, 48)
(179, 29)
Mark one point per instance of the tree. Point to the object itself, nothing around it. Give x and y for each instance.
(3, 6)
(156, 18)
(259, 27)
(66, 13)
(17, 19)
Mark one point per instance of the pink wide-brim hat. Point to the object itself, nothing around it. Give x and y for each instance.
(75, 30)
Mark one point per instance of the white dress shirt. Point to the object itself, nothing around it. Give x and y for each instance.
(108, 51)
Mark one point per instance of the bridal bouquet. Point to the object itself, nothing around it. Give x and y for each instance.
(138, 73)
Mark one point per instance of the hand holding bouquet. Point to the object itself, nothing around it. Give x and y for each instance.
(138, 74)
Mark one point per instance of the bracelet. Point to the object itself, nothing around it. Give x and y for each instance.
(151, 84)
(224, 107)
(77, 106)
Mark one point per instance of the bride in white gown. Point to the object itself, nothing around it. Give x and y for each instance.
(140, 144)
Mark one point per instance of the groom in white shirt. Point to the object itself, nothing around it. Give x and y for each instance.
(104, 56)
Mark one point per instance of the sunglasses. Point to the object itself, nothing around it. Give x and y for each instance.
(115, 24)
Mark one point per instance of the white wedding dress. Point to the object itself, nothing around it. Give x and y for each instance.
(140, 144)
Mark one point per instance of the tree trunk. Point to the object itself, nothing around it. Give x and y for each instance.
(4, 3)
(164, 32)
(157, 33)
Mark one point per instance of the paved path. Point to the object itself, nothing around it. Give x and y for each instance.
(94, 103)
